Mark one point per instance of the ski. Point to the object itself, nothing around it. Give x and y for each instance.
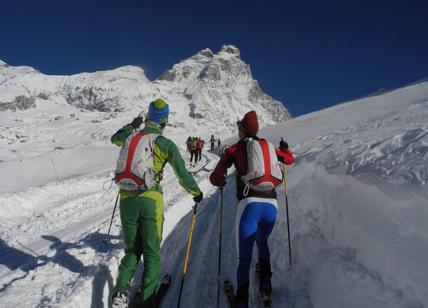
(265, 297)
(230, 293)
(163, 287)
(160, 293)
(136, 300)
(266, 300)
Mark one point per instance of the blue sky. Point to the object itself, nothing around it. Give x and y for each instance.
(307, 54)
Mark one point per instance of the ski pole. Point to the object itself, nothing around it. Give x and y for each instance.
(219, 246)
(189, 242)
(286, 207)
(111, 221)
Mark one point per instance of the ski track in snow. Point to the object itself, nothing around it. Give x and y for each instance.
(358, 215)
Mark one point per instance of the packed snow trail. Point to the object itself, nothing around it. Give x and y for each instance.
(64, 236)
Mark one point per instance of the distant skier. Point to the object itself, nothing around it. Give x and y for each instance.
(257, 205)
(200, 146)
(188, 143)
(212, 142)
(139, 171)
(218, 143)
(193, 150)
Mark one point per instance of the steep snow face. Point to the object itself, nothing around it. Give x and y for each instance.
(219, 89)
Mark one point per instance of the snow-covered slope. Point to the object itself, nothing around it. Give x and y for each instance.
(209, 92)
(358, 213)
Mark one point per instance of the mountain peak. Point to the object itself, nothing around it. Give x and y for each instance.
(130, 69)
(219, 87)
(231, 50)
(206, 53)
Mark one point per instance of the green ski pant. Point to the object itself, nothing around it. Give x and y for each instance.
(142, 221)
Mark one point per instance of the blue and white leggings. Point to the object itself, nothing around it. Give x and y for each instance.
(254, 222)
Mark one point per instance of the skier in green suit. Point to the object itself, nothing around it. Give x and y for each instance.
(142, 210)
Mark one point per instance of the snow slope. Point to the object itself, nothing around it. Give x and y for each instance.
(358, 213)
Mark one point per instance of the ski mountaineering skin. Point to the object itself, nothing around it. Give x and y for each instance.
(139, 171)
(257, 175)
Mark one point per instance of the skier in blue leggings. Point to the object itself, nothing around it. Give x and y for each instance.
(257, 209)
(256, 217)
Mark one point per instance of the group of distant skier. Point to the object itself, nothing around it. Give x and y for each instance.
(139, 171)
(194, 147)
(212, 142)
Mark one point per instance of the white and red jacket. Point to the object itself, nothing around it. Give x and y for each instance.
(236, 155)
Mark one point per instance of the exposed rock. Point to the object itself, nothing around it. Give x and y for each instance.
(210, 72)
(167, 75)
(44, 96)
(206, 53)
(277, 110)
(231, 49)
(194, 114)
(90, 99)
(19, 103)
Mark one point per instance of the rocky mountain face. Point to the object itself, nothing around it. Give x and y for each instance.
(219, 87)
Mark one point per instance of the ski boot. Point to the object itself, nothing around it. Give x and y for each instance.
(242, 296)
(264, 275)
(230, 293)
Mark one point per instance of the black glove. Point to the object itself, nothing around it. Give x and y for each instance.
(136, 123)
(198, 198)
(283, 145)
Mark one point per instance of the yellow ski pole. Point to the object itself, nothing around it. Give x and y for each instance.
(189, 242)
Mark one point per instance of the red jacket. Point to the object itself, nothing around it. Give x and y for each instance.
(236, 155)
(200, 144)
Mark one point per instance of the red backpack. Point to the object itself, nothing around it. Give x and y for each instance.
(134, 168)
